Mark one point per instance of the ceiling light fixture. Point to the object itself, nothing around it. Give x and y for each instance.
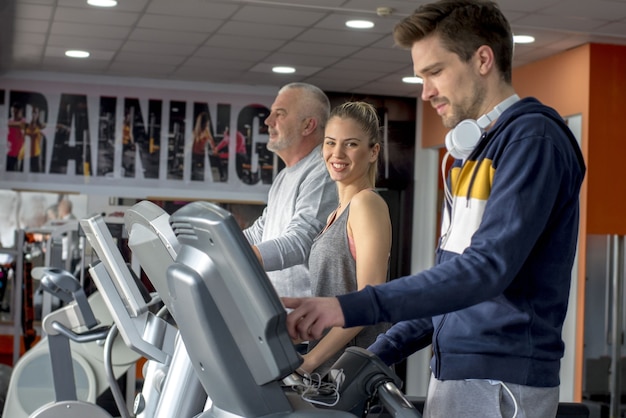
(412, 80)
(102, 3)
(360, 24)
(284, 70)
(523, 39)
(384, 11)
(74, 53)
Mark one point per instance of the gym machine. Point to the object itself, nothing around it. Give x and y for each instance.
(227, 314)
(65, 372)
(225, 350)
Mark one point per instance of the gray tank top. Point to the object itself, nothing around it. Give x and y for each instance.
(333, 272)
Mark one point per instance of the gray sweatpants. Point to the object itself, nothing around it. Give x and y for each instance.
(488, 399)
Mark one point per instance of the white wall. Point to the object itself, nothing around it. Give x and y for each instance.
(568, 363)
(423, 243)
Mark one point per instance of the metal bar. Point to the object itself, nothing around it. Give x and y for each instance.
(617, 268)
(18, 282)
(62, 368)
(607, 295)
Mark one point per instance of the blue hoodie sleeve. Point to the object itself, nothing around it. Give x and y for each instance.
(402, 340)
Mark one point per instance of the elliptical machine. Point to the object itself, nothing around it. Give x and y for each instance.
(228, 314)
(167, 369)
(60, 326)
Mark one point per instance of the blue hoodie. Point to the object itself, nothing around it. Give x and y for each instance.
(493, 306)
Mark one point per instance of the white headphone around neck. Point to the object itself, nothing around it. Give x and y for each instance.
(463, 138)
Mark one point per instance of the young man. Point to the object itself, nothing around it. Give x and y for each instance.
(494, 304)
(302, 194)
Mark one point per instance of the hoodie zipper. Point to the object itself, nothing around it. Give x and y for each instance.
(437, 353)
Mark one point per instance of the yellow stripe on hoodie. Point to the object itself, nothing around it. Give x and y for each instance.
(470, 192)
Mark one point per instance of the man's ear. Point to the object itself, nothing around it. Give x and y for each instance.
(309, 126)
(485, 59)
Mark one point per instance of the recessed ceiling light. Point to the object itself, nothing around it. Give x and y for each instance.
(412, 80)
(73, 53)
(102, 3)
(523, 39)
(359, 24)
(284, 70)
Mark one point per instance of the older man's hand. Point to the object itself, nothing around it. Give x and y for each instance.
(310, 317)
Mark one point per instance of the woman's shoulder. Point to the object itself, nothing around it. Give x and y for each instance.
(367, 197)
(368, 201)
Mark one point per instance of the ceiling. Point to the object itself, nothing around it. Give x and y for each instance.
(238, 41)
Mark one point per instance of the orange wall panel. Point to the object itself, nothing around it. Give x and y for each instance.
(561, 81)
(607, 141)
(433, 131)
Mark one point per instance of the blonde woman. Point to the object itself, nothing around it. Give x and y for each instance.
(353, 249)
